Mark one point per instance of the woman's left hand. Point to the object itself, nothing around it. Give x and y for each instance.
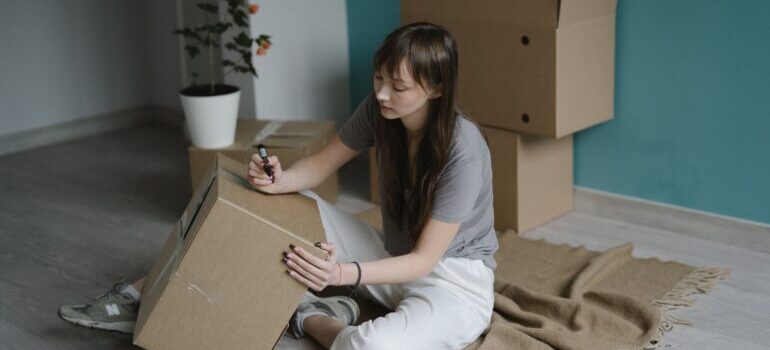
(312, 271)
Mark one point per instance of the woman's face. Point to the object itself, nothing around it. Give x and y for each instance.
(401, 96)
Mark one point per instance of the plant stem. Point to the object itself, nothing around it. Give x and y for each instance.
(211, 65)
(211, 54)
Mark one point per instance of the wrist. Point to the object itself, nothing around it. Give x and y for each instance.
(286, 181)
(348, 274)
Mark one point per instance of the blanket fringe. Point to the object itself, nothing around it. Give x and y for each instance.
(699, 281)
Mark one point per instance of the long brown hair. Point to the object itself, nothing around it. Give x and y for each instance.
(430, 53)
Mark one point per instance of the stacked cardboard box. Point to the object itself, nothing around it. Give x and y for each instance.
(219, 282)
(532, 73)
(289, 140)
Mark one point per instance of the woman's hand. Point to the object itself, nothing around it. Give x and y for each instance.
(312, 271)
(261, 181)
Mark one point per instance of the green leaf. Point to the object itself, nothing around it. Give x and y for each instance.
(246, 56)
(252, 70)
(243, 40)
(235, 3)
(228, 63)
(211, 8)
(191, 50)
(240, 18)
(185, 32)
(231, 46)
(220, 28)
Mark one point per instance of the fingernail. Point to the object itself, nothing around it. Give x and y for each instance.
(318, 244)
(291, 246)
(285, 255)
(283, 259)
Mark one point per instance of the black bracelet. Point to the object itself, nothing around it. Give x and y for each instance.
(358, 280)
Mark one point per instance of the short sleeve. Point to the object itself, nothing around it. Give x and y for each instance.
(459, 186)
(358, 131)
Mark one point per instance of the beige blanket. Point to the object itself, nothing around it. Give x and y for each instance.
(552, 296)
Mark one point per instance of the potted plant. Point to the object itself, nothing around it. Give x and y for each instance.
(211, 110)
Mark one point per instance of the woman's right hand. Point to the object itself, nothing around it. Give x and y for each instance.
(260, 180)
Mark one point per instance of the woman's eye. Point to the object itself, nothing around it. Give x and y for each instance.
(399, 90)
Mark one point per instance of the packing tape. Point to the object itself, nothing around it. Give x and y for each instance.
(267, 131)
(271, 130)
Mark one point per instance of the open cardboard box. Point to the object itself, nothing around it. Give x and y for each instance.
(289, 140)
(219, 282)
(542, 67)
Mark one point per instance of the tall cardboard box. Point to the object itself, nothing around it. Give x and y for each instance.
(219, 282)
(542, 67)
(289, 140)
(531, 178)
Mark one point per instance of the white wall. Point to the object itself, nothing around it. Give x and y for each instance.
(163, 53)
(305, 74)
(66, 60)
(63, 61)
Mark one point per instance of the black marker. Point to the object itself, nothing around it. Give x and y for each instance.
(267, 167)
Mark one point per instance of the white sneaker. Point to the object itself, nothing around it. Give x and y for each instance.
(338, 307)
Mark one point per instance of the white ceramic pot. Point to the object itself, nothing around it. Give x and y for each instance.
(211, 120)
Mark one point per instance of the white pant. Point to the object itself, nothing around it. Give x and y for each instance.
(448, 309)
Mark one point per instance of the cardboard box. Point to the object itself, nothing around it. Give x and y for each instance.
(532, 178)
(290, 141)
(541, 67)
(219, 282)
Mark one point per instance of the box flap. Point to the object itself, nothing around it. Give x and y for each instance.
(523, 13)
(574, 11)
(279, 134)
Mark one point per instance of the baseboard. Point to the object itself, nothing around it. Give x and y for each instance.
(89, 126)
(167, 116)
(714, 227)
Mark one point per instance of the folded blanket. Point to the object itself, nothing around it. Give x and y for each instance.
(550, 296)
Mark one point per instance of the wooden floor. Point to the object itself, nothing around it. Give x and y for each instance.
(76, 217)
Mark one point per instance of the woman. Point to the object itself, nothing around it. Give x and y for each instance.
(433, 262)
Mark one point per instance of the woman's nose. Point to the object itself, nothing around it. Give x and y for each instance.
(383, 95)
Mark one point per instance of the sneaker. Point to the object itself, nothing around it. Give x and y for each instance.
(338, 307)
(115, 310)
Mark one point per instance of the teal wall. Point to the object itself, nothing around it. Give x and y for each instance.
(692, 108)
(369, 22)
(692, 103)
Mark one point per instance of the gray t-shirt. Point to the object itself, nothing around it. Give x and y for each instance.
(463, 194)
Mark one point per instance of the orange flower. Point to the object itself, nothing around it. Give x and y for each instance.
(261, 51)
(265, 45)
(253, 8)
